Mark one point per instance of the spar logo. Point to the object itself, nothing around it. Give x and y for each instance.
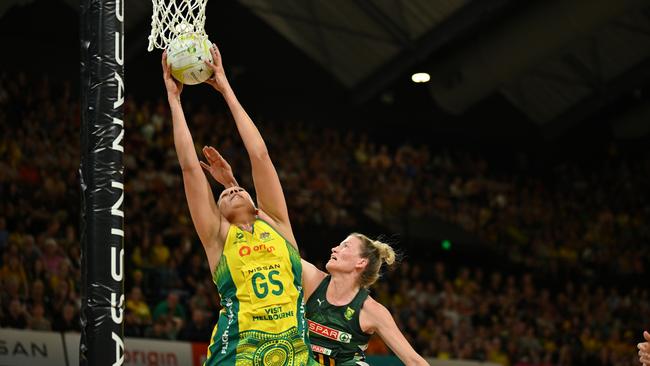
(246, 250)
(328, 332)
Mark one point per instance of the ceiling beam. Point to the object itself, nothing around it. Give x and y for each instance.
(593, 79)
(263, 12)
(324, 50)
(507, 51)
(386, 22)
(633, 78)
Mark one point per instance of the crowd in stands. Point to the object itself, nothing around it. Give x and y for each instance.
(572, 219)
(512, 320)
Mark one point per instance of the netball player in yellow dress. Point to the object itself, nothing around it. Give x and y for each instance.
(251, 249)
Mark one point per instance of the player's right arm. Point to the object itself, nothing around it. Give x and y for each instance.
(204, 211)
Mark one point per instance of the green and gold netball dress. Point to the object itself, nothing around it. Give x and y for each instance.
(262, 317)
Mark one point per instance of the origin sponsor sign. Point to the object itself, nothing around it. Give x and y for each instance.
(141, 352)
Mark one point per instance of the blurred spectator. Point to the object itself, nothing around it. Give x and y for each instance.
(38, 296)
(16, 316)
(52, 257)
(11, 291)
(62, 275)
(198, 329)
(200, 300)
(14, 272)
(136, 305)
(39, 272)
(37, 320)
(193, 272)
(62, 296)
(159, 252)
(167, 278)
(132, 326)
(67, 320)
(30, 252)
(162, 329)
(4, 234)
(170, 307)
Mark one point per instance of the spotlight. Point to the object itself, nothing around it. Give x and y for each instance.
(420, 77)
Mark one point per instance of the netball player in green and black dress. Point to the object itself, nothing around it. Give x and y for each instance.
(341, 314)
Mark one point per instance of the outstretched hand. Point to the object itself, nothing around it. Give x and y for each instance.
(173, 86)
(218, 79)
(218, 167)
(644, 350)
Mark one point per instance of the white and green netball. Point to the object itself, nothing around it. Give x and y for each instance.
(186, 55)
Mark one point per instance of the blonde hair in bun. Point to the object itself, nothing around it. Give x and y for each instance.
(377, 253)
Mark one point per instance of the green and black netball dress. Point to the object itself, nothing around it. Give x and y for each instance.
(334, 331)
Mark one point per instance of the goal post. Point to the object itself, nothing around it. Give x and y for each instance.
(102, 182)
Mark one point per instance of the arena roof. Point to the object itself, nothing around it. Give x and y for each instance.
(558, 62)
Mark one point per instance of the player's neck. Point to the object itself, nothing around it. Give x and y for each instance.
(244, 221)
(342, 289)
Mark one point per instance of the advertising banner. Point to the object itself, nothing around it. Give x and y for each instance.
(30, 348)
(141, 352)
(199, 353)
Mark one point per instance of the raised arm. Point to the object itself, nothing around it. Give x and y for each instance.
(375, 317)
(311, 278)
(270, 198)
(203, 209)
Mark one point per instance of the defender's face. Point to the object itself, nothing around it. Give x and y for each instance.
(346, 257)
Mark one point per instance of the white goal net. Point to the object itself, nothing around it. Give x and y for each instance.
(171, 18)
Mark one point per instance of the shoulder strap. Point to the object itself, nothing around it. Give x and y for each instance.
(322, 287)
(353, 310)
(358, 300)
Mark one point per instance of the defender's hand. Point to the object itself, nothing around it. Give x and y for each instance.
(218, 167)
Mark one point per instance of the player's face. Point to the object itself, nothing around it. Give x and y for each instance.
(234, 199)
(346, 257)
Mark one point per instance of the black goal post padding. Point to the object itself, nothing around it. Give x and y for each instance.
(102, 182)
